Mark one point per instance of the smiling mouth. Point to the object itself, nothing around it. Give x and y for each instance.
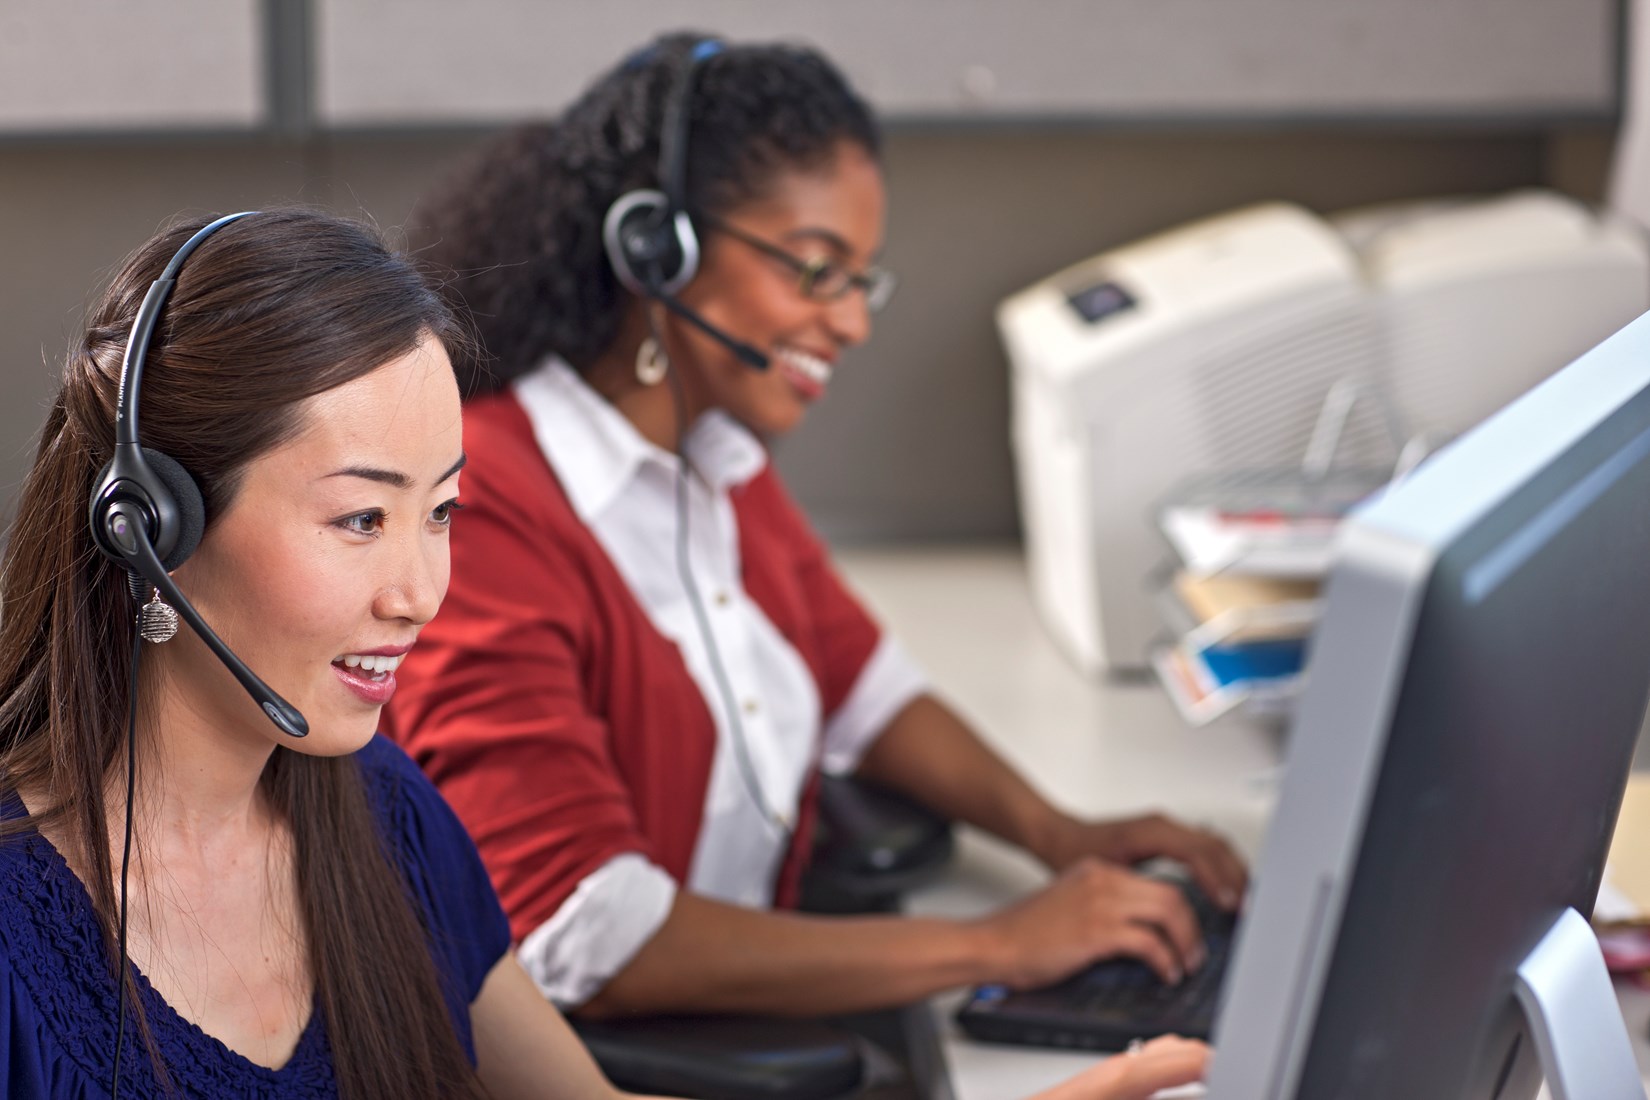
(369, 677)
(368, 666)
(809, 372)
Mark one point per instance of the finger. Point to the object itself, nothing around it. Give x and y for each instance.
(1229, 870)
(1235, 871)
(1138, 941)
(1166, 910)
(1216, 868)
(1214, 877)
(1171, 1042)
(1162, 1064)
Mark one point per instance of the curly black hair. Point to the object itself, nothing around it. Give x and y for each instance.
(517, 229)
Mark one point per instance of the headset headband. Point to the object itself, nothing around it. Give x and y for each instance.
(674, 126)
(143, 330)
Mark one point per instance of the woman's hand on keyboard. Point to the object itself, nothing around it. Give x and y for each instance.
(1094, 911)
(1160, 1064)
(1214, 865)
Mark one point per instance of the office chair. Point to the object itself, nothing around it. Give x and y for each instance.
(871, 845)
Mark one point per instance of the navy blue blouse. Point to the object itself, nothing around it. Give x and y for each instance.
(57, 992)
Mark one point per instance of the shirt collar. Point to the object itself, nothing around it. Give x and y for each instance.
(596, 453)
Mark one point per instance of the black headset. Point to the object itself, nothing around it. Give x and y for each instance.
(146, 512)
(654, 252)
(648, 234)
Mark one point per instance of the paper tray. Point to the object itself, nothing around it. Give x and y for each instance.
(1209, 543)
(1229, 610)
(1205, 684)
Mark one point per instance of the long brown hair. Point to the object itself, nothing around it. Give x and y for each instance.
(270, 310)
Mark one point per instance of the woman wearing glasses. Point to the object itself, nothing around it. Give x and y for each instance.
(647, 656)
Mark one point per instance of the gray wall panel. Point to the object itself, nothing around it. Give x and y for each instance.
(115, 64)
(389, 62)
(68, 217)
(912, 440)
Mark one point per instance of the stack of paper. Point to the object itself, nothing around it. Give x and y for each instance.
(1253, 546)
(1247, 608)
(1210, 541)
(1245, 643)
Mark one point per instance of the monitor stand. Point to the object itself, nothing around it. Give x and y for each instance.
(1574, 1016)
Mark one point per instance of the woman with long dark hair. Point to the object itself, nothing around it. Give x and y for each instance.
(303, 917)
(647, 653)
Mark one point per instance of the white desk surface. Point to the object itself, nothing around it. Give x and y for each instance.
(1096, 747)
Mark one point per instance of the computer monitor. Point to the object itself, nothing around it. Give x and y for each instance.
(1476, 689)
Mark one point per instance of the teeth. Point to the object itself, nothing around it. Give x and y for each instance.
(371, 664)
(810, 365)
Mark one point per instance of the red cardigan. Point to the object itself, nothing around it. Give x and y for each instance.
(559, 723)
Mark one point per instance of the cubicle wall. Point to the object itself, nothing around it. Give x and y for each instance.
(111, 65)
(1022, 136)
(388, 62)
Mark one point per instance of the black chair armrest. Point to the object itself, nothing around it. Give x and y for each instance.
(726, 1057)
(871, 846)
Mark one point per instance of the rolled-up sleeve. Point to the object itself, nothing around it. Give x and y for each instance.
(886, 685)
(598, 930)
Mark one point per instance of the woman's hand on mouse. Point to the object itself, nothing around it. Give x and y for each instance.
(1138, 1073)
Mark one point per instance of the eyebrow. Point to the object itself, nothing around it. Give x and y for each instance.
(395, 478)
(835, 240)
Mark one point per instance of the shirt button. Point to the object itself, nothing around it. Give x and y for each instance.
(750, 706)
(723, 599)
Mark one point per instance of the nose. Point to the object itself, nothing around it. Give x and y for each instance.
(849, 318)
(415, 580)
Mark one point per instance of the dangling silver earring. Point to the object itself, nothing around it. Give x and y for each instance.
(651, 363)
(159, 620)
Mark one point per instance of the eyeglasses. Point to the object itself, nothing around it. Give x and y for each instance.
(821, 278)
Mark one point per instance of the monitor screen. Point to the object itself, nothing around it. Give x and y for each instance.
(1476, 692)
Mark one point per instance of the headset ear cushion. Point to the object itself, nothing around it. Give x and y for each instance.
(191, 508)
(650, 243)
(651, 251)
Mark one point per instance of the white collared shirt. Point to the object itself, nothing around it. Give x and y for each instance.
(624, 489)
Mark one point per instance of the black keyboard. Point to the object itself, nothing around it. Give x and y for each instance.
(1111, 1003)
